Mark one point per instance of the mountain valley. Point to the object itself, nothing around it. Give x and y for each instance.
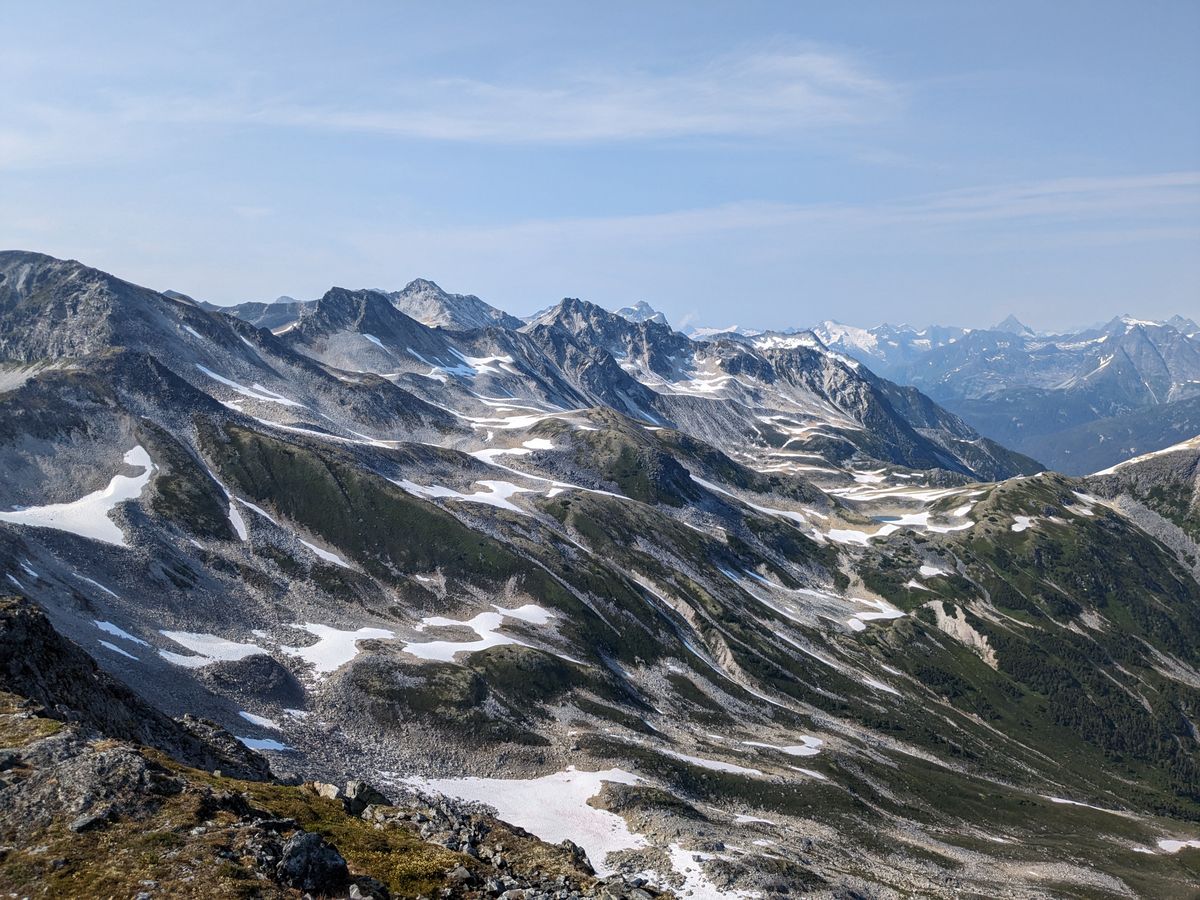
(731, 616)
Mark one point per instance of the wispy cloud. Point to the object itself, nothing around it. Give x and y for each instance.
(756, 93)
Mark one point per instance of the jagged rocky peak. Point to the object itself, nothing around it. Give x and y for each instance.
(642, 312)
(837, 333)
(787, 340)
(1013, 325)
(572, 309)
(426, 302)
(597, 327)
(366, 312)
(26, 276)
(18, 266)
(339, 302)
(274, 314)
(580, 316)
(1184, 325)
(1125, 323)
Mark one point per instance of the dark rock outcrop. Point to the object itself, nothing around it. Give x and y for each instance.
(312, 865)
(38, 663)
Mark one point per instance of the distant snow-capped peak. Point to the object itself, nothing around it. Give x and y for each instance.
(776, 340)
(708, 333)
(642, 312)
(835, 334)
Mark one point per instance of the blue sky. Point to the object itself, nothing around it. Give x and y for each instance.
(768, 164)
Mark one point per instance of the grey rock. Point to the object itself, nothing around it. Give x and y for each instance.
(311, 864)
(365, 887)
(359, 795)
(92, 820)
(328, 791)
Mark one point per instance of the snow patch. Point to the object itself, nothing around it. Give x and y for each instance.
(714, 765)
(697, 885)
(752, 820)
(1064, 802)
(554, 808)
(264, 744)
(880, 610)
(110, 628)
(334, 647)
(261, 721)
(1170, 846)
(879, 685)
(811, 773)
(115, 649)
(854, 536)
(486, 626)
(808, 746)
(209, 648)
(258, 392)
(497, 493)
(328, 555)
(95, 584)
(88, 516)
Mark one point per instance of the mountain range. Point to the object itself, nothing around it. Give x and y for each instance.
(576, 606)
(1078, 402)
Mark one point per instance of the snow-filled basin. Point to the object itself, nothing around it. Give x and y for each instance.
(553, 807)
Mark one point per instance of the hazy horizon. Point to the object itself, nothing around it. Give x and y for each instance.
(748, 324)
(929, 162)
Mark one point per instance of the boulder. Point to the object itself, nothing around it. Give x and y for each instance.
(312, 865)
(359, 795)
(367, 888)
(326, 790)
